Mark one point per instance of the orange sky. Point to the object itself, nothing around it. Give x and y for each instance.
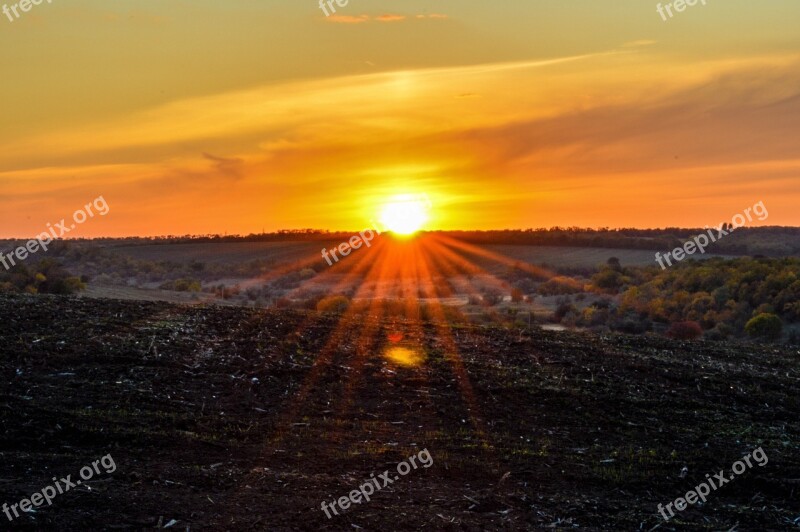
(196, 117)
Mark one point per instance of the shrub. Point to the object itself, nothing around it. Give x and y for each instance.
(492, 298)
(307, 273)
(602, 303)
(685, 330)
(46, 277)
(765, 326)
(187, 285)
(608, 280)
(337, 304)
(560, 286)
(73, 285)
(562, 310)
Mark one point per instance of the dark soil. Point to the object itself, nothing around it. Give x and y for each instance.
(234, 419)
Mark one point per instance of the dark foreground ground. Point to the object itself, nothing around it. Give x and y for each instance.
(232, 419)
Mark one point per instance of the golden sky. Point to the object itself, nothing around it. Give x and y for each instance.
(241, 116)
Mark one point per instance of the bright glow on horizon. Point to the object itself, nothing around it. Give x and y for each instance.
(405, 214)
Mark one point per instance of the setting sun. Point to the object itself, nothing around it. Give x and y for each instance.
(405, 214)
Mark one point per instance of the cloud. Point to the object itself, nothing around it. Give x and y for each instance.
(390, 18)
(587, 148)
(227, 167)
(642, 42)
(348, 19)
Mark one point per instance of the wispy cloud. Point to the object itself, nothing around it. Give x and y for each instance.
(390, 18)
(535, 126)
(231, 167)
(641, 42)
(348, 19)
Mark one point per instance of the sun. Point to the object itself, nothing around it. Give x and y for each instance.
(405, 214)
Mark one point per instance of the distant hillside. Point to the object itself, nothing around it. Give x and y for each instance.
(770, 241)
(767, 241)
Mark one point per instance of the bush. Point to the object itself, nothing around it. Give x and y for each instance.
(608, 280)
(307, 273)
(46, 277)
(562, 310)
(720, 332)
(765, 326)
(560, 286)
(182, 285)
(337, 304)
(685, 330)
(492, 298)
(73, 285)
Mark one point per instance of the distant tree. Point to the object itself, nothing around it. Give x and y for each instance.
(492, 297)
(608, 280)
(685, 330)
(614, 264)
(765, 326)
(46, 277)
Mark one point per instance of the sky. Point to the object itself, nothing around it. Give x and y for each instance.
(197, 117)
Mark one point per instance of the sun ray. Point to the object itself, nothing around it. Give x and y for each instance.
(485, 253)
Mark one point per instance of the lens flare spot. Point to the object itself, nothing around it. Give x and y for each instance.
(395, 337)
(404, 356)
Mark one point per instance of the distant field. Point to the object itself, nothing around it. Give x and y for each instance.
(579, 257)
(225, 252)
(287, 252)
(299, 255)
(132, 293)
